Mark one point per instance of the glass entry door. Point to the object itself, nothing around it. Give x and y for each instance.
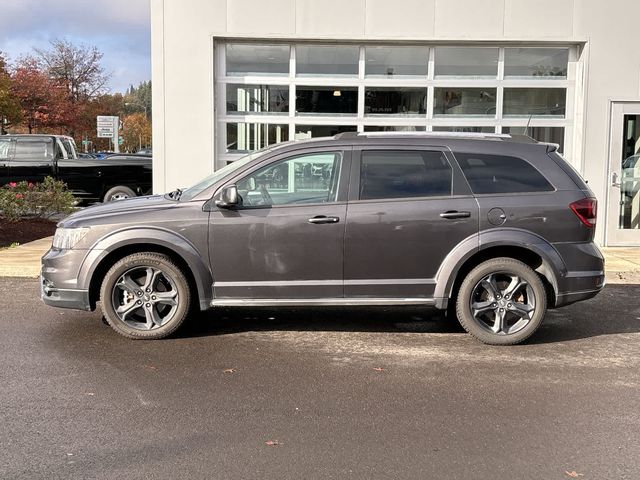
(623, 225)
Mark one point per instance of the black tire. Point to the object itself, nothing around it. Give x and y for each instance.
(152, 314)
(499, 319)
(118, 193)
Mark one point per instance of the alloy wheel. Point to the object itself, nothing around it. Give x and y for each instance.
(145, 298)
(503, 303)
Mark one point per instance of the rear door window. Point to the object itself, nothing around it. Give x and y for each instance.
(501, 174)
(404, 174)
(31, 150)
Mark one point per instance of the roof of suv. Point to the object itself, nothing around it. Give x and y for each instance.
(454, 140)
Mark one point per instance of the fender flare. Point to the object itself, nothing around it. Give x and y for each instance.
(152, 236)
(553, 267)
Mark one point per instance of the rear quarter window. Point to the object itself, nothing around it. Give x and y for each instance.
(501, 174)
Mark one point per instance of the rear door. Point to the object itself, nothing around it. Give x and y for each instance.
(408, 208)
(32, 160)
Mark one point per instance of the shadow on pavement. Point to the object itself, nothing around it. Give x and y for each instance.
(616, 310)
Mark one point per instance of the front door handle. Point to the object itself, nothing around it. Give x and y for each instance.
(455, 214)
(319, 219)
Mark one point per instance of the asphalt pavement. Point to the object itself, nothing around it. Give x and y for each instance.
(319, 394)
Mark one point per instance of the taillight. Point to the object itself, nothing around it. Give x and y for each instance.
(586, 210)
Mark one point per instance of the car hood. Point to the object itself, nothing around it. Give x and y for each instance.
(87, 215)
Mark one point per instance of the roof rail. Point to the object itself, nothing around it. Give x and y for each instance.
(435, 134)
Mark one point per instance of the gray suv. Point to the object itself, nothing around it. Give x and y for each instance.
(494, 229)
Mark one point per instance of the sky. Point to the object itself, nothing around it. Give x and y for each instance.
(120, 29)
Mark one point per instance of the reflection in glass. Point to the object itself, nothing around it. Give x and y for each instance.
(314, 131)
(396, 61)
(542, 134)
(250, 99)
(327, 60)
(464, 101)
(244, 58)
(630, 174)
(304, 179)
(534, 101)
(466, 62)
(245, 137)
(483, 129)
(536, 62)
(324, 100)
(395, 101)
(394, 128)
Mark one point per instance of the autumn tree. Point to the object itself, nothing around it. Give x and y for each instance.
(10, 112)
(136, 132)
(43, 101)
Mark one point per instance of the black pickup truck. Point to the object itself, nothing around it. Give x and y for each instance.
(35, 157)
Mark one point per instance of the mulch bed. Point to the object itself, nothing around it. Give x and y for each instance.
(25, 230)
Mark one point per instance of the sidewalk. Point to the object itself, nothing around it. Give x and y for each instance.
(622, 264)
(23, 260)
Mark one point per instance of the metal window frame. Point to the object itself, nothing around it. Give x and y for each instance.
(361, 82)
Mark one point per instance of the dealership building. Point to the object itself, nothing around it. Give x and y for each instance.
(234, 76)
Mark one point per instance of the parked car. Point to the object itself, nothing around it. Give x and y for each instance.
(35, 157)
(495, 229)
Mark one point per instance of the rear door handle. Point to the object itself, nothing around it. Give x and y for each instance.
(455, 214)
(319, 219)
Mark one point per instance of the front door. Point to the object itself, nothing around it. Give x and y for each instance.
(285, 241)
(408, 208)
(623, 216)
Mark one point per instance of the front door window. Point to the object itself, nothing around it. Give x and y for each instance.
(304, 179)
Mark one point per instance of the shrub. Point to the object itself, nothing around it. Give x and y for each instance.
(42, 200)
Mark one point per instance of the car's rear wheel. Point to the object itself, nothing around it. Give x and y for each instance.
(145, 296)
(501, 302)
(118, 193)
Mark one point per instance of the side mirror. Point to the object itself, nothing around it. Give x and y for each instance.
(228, 197)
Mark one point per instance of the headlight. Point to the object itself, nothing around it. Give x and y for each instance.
(67, 238)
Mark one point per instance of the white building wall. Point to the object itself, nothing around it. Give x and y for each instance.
(183, 33)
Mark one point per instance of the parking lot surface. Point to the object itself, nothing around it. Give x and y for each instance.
(306, 394)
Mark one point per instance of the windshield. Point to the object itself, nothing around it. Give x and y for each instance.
(69, 146)
(199, 187)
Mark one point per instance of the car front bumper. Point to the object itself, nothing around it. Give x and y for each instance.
(58, 280)
(64, 297)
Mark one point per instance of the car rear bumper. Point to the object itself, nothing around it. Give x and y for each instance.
(585, 277)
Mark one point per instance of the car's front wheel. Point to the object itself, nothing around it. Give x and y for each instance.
(145, 296)
(502, 301)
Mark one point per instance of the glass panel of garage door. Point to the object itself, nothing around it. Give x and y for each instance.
(629, 217)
